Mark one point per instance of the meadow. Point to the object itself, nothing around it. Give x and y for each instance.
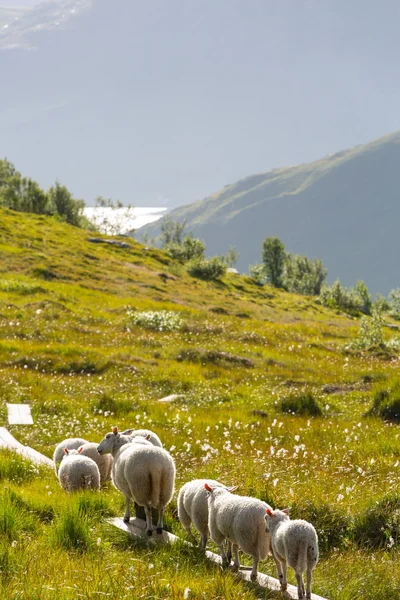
(74, 346)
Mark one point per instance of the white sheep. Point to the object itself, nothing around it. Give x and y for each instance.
(142, 472)
(78, 472)
(240, 520)
(154, 439)
(104, 463)
(71, 444)
(294, 543)
(193, 507)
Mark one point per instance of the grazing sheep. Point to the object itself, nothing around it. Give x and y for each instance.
(71, 444)
(154, 439)
(142, 472)
(78, 472)
(294, 543)
(240, 520)
(104, 463)
(193, 508)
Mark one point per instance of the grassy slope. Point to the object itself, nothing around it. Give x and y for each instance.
(68, 349)
(342, 202)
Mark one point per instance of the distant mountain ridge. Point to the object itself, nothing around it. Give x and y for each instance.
(343, 209)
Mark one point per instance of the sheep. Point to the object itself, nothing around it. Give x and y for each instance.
(143, 473)
(104, 463)
(240, 520)
(154, 439)
(193, 508)
(78, 472)
(294, 543)
(71, 444)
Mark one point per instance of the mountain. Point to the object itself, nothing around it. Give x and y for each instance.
(343, 209)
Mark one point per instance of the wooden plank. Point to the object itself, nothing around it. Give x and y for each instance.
(19, 414)
(8, 441)
(137, 528)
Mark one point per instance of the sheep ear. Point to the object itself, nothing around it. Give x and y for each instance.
(66, 450)
(80, 449)
(115, 430)
(148, 437)
(208, 488)
(269, 512)
(286, 511)
(233, 488)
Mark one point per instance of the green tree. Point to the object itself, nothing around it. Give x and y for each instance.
(171, 232)
(63, 204)
(20, 193)
(189, 248)
(231, 257)
(273, 256)
(304, 276)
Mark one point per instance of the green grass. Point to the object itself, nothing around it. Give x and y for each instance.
(70, 350)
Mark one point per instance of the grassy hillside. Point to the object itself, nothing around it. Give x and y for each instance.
(69, 348)
(342, 209)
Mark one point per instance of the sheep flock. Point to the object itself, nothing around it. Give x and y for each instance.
(144, 472)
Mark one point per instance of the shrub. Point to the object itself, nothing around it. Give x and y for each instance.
(395, 301)
(257, 274)
(379, 526)
(301, 404)
(350, 300)
(304, 276)
(160, 320)
(386, 403)
(190, 248)
(207, 268)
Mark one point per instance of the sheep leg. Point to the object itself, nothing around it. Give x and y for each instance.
(229, 551)
(284, 576)
(300, 585)
(278, 568)
(236, 562)
(203, 541)
(149, 521)
(254, 570)
(160, 519)
(127, 515)
(309, 580)
(223, 555)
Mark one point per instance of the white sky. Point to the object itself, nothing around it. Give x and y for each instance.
(139, 100)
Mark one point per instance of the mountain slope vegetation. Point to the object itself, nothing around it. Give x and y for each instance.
(342, 209)
(72, 345)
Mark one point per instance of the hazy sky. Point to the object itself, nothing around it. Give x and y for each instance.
(142, 101)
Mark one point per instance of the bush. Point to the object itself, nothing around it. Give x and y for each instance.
(352, 300)
(257, 274)
(386, 403)
(190, 248)
(304, 276)
(302, 404)
(160, 320)
(395, 301)
(379, 526)
(207, 268)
